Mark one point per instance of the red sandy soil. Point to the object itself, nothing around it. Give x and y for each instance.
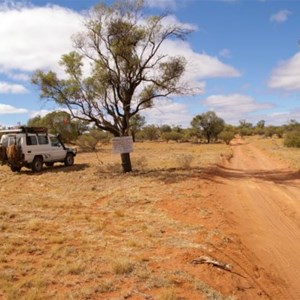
(263, 196)
(244, 212)
(255, 202)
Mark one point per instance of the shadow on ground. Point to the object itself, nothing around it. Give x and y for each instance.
(56, 169)
(216, 173)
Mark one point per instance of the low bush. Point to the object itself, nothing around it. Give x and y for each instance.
(226, 136)
(172, 136)
(88, 142)
(292, 139)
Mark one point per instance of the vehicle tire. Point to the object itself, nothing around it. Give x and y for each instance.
(49, 164)
(69, 160)
(15, 168)
(37, 164)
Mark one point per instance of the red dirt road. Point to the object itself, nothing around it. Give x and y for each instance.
(263, 197)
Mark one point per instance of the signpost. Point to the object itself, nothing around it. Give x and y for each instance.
(123, 144)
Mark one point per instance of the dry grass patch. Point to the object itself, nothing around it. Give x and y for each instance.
(93, 232)
(275, 147)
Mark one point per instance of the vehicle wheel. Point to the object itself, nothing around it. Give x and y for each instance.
(69, 160)
(37, 164)
(15, 168)
(49, 164)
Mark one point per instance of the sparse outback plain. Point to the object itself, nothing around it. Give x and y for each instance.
(91, 232)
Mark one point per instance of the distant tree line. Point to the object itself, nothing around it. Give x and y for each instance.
(205, 128)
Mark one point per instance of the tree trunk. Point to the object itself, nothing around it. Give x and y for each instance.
(126, 162)
(208, 138)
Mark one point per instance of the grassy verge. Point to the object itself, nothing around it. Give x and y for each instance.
(90, 232)
(276, 148)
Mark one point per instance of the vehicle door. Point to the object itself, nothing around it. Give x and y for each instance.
(30, 147)
(57, 150)
(45, 147)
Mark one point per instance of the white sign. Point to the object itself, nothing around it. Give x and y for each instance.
(122, 144)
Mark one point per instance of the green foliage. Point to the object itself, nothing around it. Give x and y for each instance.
(270, 131)
(260, 128)
(245, 128)
(136, 124)
(292, 139)
(292, 125)
(226, 136)
(245, 131)
(165, 128)
(127, 73)
(59, 122)
(245, 124)
(150, 132)
(89, 141)
(209, 123)
(261, 124)
(279, 131)
(172, 136)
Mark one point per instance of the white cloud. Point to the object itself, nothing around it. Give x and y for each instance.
(226, 53)
(234, 107)
(35, 37)
(166, 111)
(286, 75)
(15, 75)
(199, 65)
(8, 88)
(281, 16)
(8, 109)
(171, 20)
(42, 113)
(277, 118)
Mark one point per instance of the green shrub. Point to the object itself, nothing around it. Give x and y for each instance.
(226, 136)
(150, 132)
(88, 142)
(245, 131)
(270, 131)
(292, 139)
(172, 136)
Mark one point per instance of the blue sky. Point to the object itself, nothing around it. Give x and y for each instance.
(244, 54)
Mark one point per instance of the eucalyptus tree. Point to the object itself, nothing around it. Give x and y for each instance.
(209, 123)
(128, 71)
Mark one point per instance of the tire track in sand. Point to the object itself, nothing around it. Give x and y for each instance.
(264, 198)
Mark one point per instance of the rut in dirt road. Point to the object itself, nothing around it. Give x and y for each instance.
(264, 197)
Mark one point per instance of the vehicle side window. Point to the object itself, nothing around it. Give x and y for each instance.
(5, 141)
(12, 140)
(55, 142)
(43, 140)
(31, 140)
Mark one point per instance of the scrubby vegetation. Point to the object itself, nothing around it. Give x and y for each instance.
(89, 140)
(292, 139)
(205, 128)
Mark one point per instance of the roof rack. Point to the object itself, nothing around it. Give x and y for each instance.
(25, 129)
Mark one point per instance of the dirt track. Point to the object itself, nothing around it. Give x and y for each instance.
(263, 197)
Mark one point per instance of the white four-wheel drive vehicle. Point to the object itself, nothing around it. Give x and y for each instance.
(31, 147)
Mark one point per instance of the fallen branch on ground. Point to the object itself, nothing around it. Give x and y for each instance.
(211, 261)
